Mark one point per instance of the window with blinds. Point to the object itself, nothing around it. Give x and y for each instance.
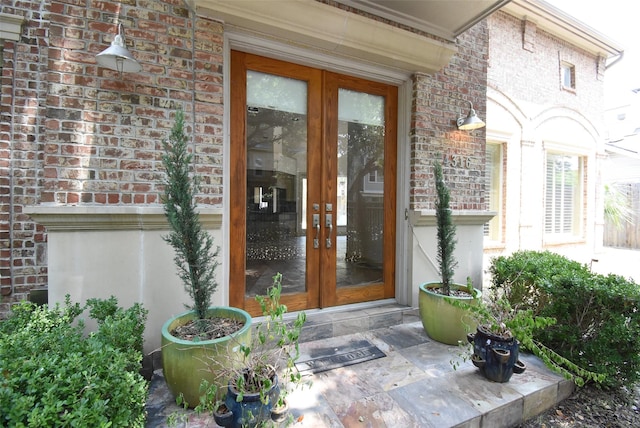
(563, 192)
(493, 193)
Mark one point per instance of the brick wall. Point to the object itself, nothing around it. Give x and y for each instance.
(524, 62)
(104, 131)
(438, 100)
(22, 138)
(74, 133)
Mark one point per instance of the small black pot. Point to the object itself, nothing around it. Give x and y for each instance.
(250, 411)
(495, 356)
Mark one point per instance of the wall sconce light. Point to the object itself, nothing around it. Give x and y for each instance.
(471, 121)
(117, 57)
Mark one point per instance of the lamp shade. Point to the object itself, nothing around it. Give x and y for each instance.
(117, 57)
(472, 121)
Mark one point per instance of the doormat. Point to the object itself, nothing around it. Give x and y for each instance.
(340, 356)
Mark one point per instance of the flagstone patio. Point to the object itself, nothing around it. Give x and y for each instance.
(414, 385)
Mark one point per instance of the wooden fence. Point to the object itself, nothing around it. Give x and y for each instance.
(627, 235)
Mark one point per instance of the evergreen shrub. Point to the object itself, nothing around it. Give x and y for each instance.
(597, 316)
(52, 374)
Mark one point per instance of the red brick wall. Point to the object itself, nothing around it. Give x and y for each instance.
(22, 137)
(104, 131)
(438, 100)
(74, 133)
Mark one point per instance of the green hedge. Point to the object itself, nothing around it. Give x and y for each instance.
(51, 374)
(598, 316)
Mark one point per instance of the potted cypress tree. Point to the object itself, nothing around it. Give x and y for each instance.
(442, 321)
(192, 341)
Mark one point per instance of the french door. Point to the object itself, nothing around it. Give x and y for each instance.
(312, 191)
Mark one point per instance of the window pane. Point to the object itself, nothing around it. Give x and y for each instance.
(562, 195)
(276, 144)
(360, 155)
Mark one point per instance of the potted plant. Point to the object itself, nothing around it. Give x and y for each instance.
(265, 372)
(503, 330)
(495, 349)
(445, 323)
(203, 332)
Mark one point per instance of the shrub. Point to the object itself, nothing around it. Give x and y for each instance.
(51, 374)
(598, 316)
(524, 276)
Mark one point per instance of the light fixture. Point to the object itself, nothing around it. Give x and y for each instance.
(471, 121)
(117, 57)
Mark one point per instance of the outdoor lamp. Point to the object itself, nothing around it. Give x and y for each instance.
(471, 121)
(117, 57)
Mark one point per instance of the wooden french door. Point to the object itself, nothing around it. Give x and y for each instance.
(312, 190)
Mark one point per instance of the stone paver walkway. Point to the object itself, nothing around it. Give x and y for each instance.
(415, 385)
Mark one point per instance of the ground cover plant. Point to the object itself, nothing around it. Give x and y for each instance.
(53, 374)
(597, 316)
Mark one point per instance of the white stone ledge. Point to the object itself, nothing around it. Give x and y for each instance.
(331, 29)
(85, 218)
(10, 26)
(421, 218)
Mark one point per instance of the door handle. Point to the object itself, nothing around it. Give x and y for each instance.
(328, 222)
(316, 225)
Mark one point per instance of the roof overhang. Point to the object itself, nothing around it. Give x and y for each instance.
(444, 18)
(325, 28)
(558, 23)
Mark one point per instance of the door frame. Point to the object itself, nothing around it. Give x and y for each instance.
(236, 39)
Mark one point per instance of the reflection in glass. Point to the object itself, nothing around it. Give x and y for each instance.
(360, 187)
(276, 181)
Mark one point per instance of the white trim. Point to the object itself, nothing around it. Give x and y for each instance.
(10, 26)
(566, 148)
(319, 27)
(403, 278)
(421, 218)
(238, 39)
(76, 218)
(564, 26)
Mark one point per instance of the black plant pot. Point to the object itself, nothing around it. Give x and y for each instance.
(250, 411)
(495, 356)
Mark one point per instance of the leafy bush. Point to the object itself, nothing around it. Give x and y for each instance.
(51, 374)
(598, 316)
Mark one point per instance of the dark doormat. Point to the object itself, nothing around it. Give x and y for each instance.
(325, 359)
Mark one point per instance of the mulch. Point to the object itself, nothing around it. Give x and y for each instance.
(592, 407)
(207, 329)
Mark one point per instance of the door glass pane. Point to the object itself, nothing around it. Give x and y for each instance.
(276, 181)
(360, 188)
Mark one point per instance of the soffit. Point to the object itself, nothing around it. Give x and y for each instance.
(444, 18)
(318, 26)
(563, 26)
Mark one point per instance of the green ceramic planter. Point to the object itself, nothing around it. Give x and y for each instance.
(443, 321)
(186, 363)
